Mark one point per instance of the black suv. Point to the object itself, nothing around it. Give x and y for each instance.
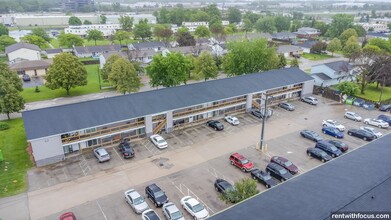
(156, 195)
(330, 149)
(215, 125)
(126, 149)
(278, 172)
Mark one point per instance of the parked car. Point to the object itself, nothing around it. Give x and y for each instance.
(365, 135)
(296, 55)
(385, 118)
(376, 122)
(260, 113)
(293, 169)
(333, 124)
(150, 214)
(312, 135)
(349, 100)
(368, 105)
(218, 126)
(332, 132)
(318, 154)
(158, 141)
(310, 100)
(241, 162)
(231, 120)
(339, 144)
(101, 154)
(136, 201)
(372, 131)
(222, 186)
(156, 195)
(385, 108)
(287, 106)
(68, 216)
(358, 102)
(26, 77)
(126, 149)
(330, 149)
(171, 212)
(353, 116)
(263, 177)
(194, 208)
(278, 172)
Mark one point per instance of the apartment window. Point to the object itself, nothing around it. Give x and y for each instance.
(90, 130)
(92, 142)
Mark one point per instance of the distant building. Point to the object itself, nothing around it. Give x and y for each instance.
(374, 27)
(82, 30)
(23, 51)
(332, 73)
(155, 45)
(307, 32)
(284, 36)
(76, 5)
(225, 23)
(289, 50)
(192, 26)
(33, 68)
(95, 51)
(383, 36)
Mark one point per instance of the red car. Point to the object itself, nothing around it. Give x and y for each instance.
(285, 163)
(241, 162)
(68, 216)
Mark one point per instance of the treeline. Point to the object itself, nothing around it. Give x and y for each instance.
(7, 6)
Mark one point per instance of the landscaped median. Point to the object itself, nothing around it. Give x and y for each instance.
(16, 161)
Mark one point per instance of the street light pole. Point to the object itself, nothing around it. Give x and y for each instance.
(265, 114)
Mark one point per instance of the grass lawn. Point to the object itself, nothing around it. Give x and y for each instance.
(54, 43)
(311, 56)
(98, 42)
(92, 86)
(373, 94)
(16, 159)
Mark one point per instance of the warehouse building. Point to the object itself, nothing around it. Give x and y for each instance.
(55, 132)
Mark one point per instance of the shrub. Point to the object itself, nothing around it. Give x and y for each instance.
(4, 126)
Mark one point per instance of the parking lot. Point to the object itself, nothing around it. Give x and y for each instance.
(282, 138)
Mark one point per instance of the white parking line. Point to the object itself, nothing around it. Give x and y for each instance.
(66, 176)
(217, 174)
(101, 210)
(122, 160)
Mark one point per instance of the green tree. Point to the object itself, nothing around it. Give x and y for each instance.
(348, 88)
(123, 76)
(94, 35)
(234, 15)
(42, 33)
(339, 24)
(6, 41)
(266, 25)
(389, 26)
(334, 45)
(142, 30)
(247, 26)
(251, 16)
(200, 16)
(318, 47)
(244, 189)
(87, 22)
(382, 44)
(102, 19)
(295, 25)
(282, 23)
(66, 72)
(294, 62)
(217, 29)
(164, 33)
(121, 35)
(108, 66)
(3, 30)
(351, 47)
(69, 40)
(322, 27)
(205, 66)
(126, 23)
(361, 32)
(73, 20)
(202, 31)
(185, 39)
(346, 35)
(245, 57)
(171, 70)
(10, 86)
(282, 61)
(36, 40)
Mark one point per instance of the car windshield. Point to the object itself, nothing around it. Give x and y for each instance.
(161, 141)
(288, 163)
(333, 148)
(267, 177)
(322, 153)
(176, 215)
(197, 208)
(138, 200)
(282, 171)
(159, 193)
(244, 161)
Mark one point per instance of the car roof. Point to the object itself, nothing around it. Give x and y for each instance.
(133, 194)
(274, 165)
(101, 150)
(192, 201)
(283, 159)
(239, 156)
(171, 207)
(152, 214)
(154, 187)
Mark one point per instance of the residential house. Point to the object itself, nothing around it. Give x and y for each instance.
(51, 53)
(289, 50)
(306, 45)
(23, 51)
(332, 73)
(142, 56)
(307, 32)
(95, 51)
(189, 50)
(284, 36)
(249, 36)
(33, 68)
(383, 36)
(154, 45)
(381, 27)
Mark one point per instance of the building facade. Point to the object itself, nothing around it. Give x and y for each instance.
(55, 132)
(82, 30)
(23, 51)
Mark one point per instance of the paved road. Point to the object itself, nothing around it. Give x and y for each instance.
(14, 207)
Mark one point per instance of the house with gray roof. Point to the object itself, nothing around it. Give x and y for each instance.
(289, 50)
(23, 51)
(51, 53)
(306, 45)
(284, 36)
(332, 73)
(154, 45)
(307, 33)
(249, 36)
(33, 68)
(95, 51)
(105, 122)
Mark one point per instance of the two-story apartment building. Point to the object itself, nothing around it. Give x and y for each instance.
(82, 30)
(332, 73)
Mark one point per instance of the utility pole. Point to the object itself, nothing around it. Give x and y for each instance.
(265, 115)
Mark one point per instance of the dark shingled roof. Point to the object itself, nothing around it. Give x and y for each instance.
(339, 65)
(98, 49)
(55, 50)
(145, 45)
(18, 46)
(321, 76)
(345, 183)
(307, 44)
(66, 118)
(31, 65)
